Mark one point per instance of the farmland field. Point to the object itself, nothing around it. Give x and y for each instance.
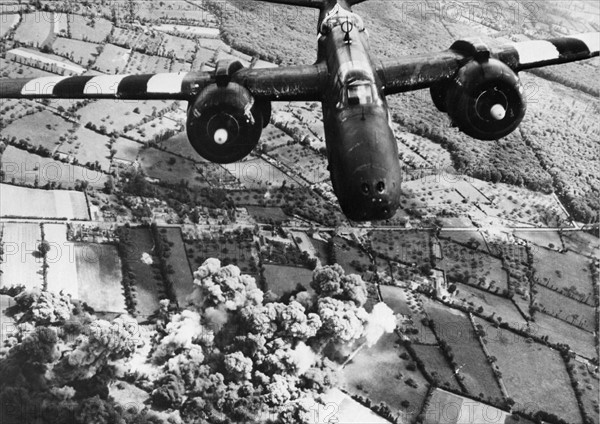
(473, 266)
(8, 21)
(22, 263)
(321, 251)
(549, 239)
(153, 130)
(258, 173)
(229, 248)
(491, 304)
(471, 238)
(555, 304)
(143, 63)
(448, 408)
(86, 29)
(535, 375)
(267, 215)
(24, 167)
(112, 60)
(380, 374)
(581, 242)
(77, 51)
(170, 168)
(588, 383)
(124, 37)
(564, 271)
(119, 115)
(34, 29)
(39, 129)
(178, 47)
(182, 277)
(89, 147)
(436, 365)
(126, 149)
(559, 331)
(406, 246)
(148, 284)
(314, 166)
(281, 279)
(99, 276)
(402, 301)
(350, 257)
(62, 270)
(456, 330)
(38, 203)
(272, 138)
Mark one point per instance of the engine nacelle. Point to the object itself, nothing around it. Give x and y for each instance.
(485, 100)
(225, 123)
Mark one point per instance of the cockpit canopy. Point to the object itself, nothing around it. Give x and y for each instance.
(339, 16)
(360, 93)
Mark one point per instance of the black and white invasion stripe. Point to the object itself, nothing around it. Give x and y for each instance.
(537, 53)
(150, 86)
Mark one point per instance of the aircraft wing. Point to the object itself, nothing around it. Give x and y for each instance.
(416, 72)
(293, 83)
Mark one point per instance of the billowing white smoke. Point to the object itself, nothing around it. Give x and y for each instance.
(304, 357)
(381, 320)
(216, 318)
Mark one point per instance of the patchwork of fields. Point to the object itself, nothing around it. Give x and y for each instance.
(37, 203)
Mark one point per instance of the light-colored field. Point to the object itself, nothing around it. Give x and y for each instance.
(126, 149)
(178, 47)
(10, 69)
(534, 375)
(112, 60)
(178, 65)
(169, 168)
(472, 238)
(455, 329)
(37, 203)
(192, 30)
(40, 129)
(22, 262)
(582, 242)
(559, 331)
(448, 408)
(182, 276)
(402, 301)
(549, 239)
(153, 130)
(8, 21)
(380, 374)
(83, 28)
(89, 148)
(99, 277)
(34, 29)
(282, 279)
(23, 167)
(124, 37)
(119, 114)
(588, 383)
(564, 271)
(258, 173)
(490, 303)
(77, 51)
(62, 271)
(341, 408)
(569, 310)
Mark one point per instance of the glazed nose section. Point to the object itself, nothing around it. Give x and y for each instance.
(377, 199)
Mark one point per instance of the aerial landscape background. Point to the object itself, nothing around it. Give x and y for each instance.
(477, 302)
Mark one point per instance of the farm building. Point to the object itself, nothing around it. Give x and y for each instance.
(44, 62)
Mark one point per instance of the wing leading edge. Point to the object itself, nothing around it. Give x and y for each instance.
(302, 83)
(417, 72)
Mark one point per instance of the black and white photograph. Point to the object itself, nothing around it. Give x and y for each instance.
(299, 211)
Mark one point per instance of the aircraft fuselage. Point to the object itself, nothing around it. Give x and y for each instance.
(361, 146)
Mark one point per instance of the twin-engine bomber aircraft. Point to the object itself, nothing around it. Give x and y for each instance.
(228, 108)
